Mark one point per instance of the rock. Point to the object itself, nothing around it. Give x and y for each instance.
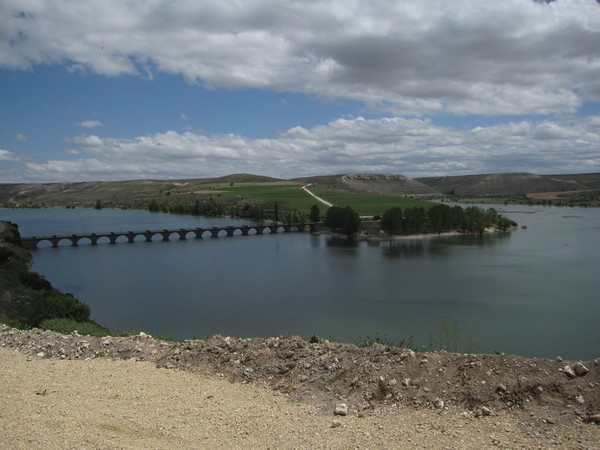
(438, 403)
(579, 399)
(341, 409)
(40, 355)
(336, 423)
(580, 369)
(105, 342)
(416, 381)
(569, 371)
(501, 388)
(594, 418)
(485, 411)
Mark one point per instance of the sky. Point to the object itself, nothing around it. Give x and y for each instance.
(123, 89)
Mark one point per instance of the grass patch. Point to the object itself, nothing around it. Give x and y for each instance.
(450, 337)
(368, 204)
(13, 323)
(286, 194)
(67, 326)
(370, 341)
(290, 195)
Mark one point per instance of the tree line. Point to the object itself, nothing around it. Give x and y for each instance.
(441, 218)
(437, 219)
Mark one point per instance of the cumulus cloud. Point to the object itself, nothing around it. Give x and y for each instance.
(411, 147)
(90, 124)
(5, 155)
(412, 57)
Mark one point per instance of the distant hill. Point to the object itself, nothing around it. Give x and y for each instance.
(375, 184)
(583, 188)
(510, 184)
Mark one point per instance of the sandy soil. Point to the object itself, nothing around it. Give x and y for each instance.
(73, 391)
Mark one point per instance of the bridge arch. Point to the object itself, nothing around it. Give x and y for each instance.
(166, 235)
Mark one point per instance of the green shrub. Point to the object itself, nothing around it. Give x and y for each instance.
(5, 254)
(35, 281)
(66, 326)
(57, 306)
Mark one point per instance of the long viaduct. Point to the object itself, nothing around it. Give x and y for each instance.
(165, 235)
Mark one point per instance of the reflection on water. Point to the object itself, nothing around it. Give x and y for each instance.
(403, 248)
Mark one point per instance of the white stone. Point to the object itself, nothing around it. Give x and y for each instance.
(580, 369)
(569, 371)
(341, 409)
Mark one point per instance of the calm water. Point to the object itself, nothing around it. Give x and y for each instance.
(534, 292)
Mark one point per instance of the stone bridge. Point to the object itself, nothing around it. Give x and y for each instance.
(165, 235)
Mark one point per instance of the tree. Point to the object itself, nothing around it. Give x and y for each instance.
(343, 220)
(392, 221)
(99, 204)
(315, 214)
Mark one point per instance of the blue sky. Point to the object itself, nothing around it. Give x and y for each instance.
(118, 90)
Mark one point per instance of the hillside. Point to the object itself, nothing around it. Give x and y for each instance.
(583, 188)
(511, 184)
(383, 184)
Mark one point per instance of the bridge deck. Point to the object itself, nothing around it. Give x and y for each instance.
(181, 233)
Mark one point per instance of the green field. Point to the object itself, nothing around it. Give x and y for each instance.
(290, 195)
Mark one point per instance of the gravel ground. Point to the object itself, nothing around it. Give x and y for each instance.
(71, 391)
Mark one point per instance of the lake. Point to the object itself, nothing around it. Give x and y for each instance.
(533, 292)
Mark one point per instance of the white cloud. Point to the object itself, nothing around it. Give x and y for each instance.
(5, 155)
(90, 124)
(410, 147)
(462, 57)
(21, 137)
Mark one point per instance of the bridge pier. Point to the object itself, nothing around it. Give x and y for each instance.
(165, 235)
(182, 232)
(148, 235)
(198, 232)
(113, 238)
(214, 232)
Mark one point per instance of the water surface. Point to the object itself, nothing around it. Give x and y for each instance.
(533, 292)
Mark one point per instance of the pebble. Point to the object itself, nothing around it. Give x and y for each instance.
(580, 369)
(341, 409)
(569, 371)
(336, 423)
(579, 399)
(485, 411)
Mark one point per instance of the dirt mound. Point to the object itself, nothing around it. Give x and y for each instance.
(543, 391)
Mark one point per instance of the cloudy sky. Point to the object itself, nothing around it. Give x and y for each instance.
(120, 89)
